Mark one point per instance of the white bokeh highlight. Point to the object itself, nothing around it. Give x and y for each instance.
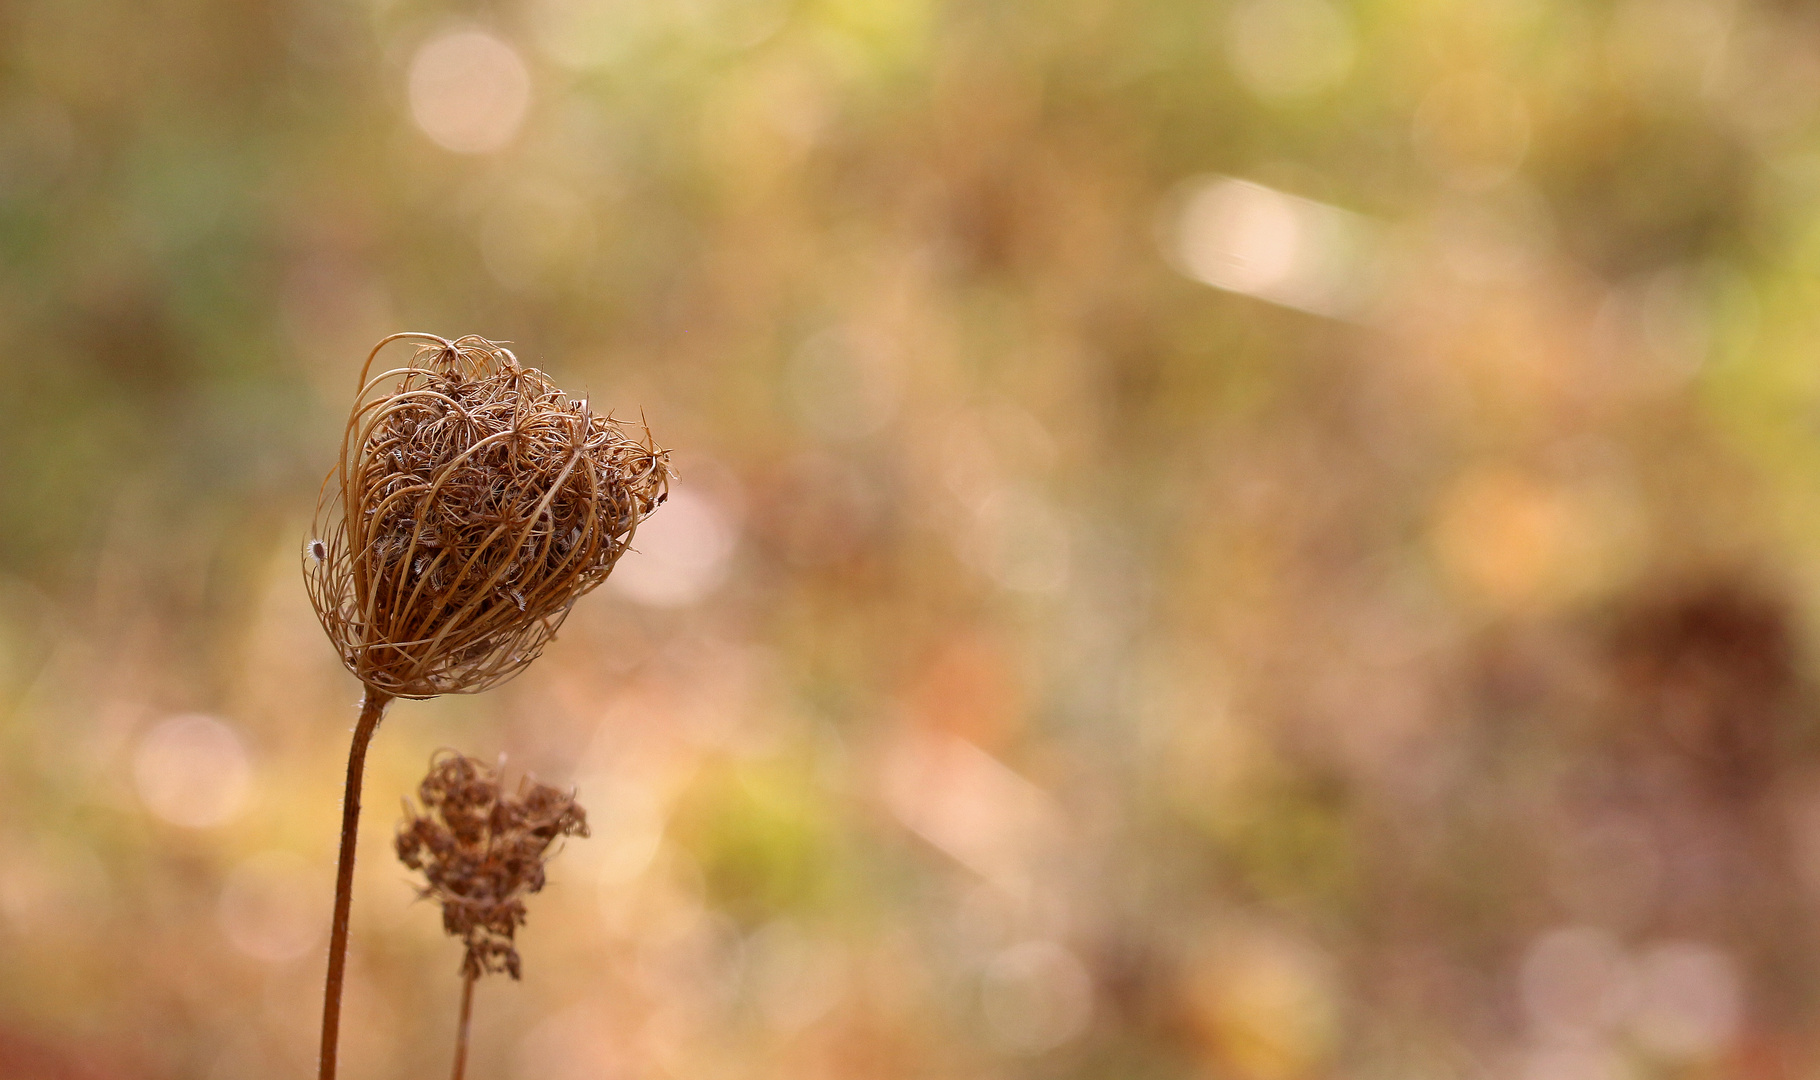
(1035, 996)
(1583, 990)
(1019, 540)
(1574, 981)
(192, 770)
(469, 91)
(1690, 1001)
(1246, 238)
(680, 553)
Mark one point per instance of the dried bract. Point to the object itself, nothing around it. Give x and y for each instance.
(482, 851)
(473, 505)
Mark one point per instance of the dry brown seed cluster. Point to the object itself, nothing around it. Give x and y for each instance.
(473, 505)
(482, 851)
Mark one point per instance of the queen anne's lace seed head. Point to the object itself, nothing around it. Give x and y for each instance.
(473, 505)
(482, 852)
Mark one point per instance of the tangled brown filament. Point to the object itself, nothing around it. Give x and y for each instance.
(474, 504)
(482, 851)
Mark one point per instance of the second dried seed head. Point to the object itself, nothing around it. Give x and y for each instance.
(482, 851)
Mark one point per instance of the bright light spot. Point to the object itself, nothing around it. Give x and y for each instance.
(469, 91)
(843, 383)
(1247, 238)
(1575, 980)
(191, 770)
(971, 806)
(1241, 236)
(1690, 1001)
(1473, 130)
(1288, 48)
(1019, 541)
(1036, 996)
(272, 906)
(680, 553)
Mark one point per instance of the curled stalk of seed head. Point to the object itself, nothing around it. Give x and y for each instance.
(481, 852)
(472, 505)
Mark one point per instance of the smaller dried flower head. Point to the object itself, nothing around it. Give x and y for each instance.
(482, 852)
(474, 504)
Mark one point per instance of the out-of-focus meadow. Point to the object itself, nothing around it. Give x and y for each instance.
(1256, 540)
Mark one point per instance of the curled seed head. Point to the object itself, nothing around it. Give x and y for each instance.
(473, 505)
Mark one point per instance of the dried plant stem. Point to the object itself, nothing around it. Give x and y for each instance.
(372, 708)
(461, 1033)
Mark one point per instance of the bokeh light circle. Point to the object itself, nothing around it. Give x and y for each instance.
(1036, 996)
(192, 770)
(469, 91)
(680, 555)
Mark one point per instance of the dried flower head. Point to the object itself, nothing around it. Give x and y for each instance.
(474, 503)
(482, 851)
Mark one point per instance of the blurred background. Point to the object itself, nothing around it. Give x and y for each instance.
(1251, 540)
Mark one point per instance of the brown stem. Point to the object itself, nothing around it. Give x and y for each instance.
(372, 708)
(461, 1033)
